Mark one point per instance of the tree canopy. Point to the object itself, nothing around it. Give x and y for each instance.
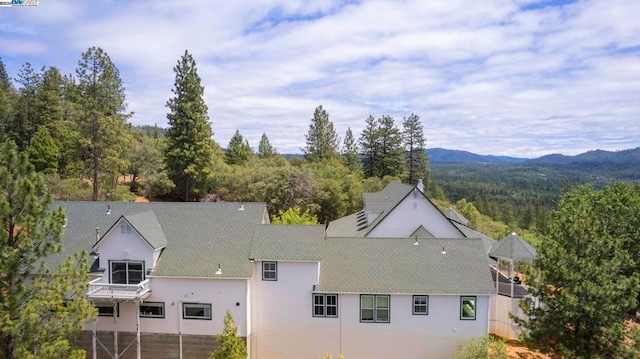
(322, 140)
(190, 150)
(584, 278)
(41, 308)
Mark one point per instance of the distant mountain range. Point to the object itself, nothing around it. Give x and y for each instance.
(441, 155)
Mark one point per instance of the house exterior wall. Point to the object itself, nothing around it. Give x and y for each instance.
(222, 294)
(409, 214)
(124, 247)
(282, 322)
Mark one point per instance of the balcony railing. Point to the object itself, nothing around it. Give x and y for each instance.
(98, 290)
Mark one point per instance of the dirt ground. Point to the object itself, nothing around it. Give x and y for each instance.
(517, 351)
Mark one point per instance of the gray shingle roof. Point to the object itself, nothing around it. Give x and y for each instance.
(513, 247)
(149, 228)
(396, 265)
(288, 242)
(456, 216)
(198, 235)
(421, 232)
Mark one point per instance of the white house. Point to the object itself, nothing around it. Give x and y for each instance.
(398, 279)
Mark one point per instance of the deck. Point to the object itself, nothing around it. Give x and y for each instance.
(100, 291)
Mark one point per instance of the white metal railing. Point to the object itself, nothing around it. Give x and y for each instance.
(100, 290)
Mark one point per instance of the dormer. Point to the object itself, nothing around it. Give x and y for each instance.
(129, 250)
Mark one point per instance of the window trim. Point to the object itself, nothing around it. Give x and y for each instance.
(475, 307)
(152, 304)
(324, 305)
(376, 308)
(274, 271)
(203, 305)
(127, 262)
(99, 305)
(414, 304)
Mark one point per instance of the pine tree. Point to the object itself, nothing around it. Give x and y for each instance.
(414, 147)
(369, 147)
(190, 149)
(25, 119)
(265, 150)
(350, 154)
(103, 114)
(230, 345)
(582, 281)
(322, 140)
(7, 93)
(41, 307)
(43, 152)
(390, 157)
(238, 151)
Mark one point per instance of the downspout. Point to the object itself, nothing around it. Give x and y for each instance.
(180, 326)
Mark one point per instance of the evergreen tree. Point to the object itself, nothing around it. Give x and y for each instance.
(350, 154)
(322, 140)
(414, 147)
(25, 119)
(7, 93)
(43, 152)
(391, 155)
(238, 151)
(265, 150)
(582, 282)
(5, 81)
(49, 100)
(41, 307)
(369, 147)
(190, 149)
(230, 345)
(102, 123)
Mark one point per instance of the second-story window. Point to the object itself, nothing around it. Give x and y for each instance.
(127, 272)
(269, 270)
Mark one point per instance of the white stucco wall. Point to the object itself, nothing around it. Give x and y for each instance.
(222, 294)
(281, 311)
(124, 247)
(412, 212)
(436, 335)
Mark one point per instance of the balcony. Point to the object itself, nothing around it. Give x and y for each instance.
(100, 291)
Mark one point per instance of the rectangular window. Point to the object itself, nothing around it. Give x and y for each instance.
(106, 309)
(127, 272)
(325, 305)
(196, 311)
(375, 308)
(468, 308)
(420, 304)
(152, 310)
(269, 270)
(125, 228)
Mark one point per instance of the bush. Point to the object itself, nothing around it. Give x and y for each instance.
(486, 347)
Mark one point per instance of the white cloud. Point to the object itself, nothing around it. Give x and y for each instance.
(484, 76)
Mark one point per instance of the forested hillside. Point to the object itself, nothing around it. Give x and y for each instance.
(521, 194)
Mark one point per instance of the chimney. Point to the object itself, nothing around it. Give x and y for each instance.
(420, 185)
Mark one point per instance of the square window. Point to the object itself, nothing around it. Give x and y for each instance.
(152, 310)
(420, 304)
(196, 311)
(375, 308)
(125, 228)
(468, 308)
(325, 305)
(106, 309)
(269, 270)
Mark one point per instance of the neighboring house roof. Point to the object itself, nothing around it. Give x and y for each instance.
(198, 236)
(350, 226)
(398, 266)
(288, 242)
(454, 215)
(513, 247)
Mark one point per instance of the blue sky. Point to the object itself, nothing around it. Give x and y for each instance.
(520, 78)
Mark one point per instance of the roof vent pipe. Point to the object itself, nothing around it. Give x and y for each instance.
(97, 234)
